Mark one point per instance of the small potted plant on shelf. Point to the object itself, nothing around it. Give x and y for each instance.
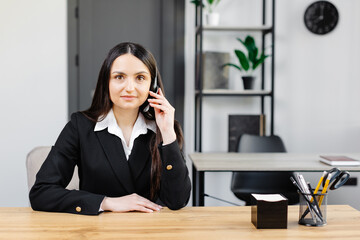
(212, 18)
(248, 62)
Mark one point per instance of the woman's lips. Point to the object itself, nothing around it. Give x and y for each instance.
(128, 97)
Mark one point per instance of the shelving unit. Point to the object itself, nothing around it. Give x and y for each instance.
(200, 93)
(264, 29)
(223, 92)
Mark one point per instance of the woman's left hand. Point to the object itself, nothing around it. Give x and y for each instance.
(164, 115)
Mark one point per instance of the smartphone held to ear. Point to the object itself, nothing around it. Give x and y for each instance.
(154, 88)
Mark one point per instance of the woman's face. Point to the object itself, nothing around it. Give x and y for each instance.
(129, 83)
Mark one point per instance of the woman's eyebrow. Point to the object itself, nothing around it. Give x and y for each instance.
(141, 72)
(118, 72)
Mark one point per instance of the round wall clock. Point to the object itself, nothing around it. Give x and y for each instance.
(321, 17)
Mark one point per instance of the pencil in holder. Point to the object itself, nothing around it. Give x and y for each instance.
(312, 211)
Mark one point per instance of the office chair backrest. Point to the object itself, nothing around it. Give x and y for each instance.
(35, 159)
(257, 144)
(245, 183)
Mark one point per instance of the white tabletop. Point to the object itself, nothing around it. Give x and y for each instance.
(299, 162)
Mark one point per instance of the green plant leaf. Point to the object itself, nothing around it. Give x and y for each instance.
(250, 46)
(249, 43)
(213, 2)
(259, 61)
(240, 40)
(197, 3)
(242, 59)
(252, 55)
(231, 65)
(251, 61)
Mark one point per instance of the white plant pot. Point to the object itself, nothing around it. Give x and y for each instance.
(212, 19)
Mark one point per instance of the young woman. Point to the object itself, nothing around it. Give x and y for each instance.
(127, 145)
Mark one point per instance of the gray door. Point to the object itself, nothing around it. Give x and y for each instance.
(95, 26)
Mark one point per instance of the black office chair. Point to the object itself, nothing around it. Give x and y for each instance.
(245, 183)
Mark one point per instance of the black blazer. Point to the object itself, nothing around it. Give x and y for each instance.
(104, 171)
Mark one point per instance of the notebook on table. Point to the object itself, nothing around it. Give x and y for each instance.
(339, 161)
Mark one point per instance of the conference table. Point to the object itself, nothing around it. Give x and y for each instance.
(229, 162)
(188, 223)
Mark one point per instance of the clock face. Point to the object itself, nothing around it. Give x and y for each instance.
(321, 17)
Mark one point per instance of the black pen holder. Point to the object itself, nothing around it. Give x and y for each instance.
(312, 210)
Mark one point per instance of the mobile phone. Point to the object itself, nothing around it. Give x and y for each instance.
(154, 88)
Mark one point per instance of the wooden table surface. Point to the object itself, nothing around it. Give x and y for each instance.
(187, 223)
(298, 162)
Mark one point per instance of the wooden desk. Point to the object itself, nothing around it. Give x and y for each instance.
(228, 162)
(189, 223)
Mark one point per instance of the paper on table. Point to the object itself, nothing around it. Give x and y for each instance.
(269, 197)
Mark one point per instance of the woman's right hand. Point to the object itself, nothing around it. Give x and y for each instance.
(132, 202)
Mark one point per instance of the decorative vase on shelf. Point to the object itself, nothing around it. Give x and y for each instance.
(248, 82)
(212, 19)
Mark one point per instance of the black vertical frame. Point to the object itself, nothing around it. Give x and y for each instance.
(179, 61)
(272, 67)
(73, 58)
(172, 52)
(197, 176)
(272, 77)
(263, 49)
(198, 73)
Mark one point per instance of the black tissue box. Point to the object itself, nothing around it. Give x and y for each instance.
(269, 211)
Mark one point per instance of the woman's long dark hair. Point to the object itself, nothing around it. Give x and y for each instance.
(101, 103)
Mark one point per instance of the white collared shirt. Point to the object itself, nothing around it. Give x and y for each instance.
(141, 126)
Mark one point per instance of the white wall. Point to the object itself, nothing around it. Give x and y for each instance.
(316, 84)
(33, 92)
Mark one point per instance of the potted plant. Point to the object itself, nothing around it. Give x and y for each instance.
(212, 18)
(248, 62)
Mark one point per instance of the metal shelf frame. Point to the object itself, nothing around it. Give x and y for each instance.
(265, 29)
(233, 93)
(200, 92)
